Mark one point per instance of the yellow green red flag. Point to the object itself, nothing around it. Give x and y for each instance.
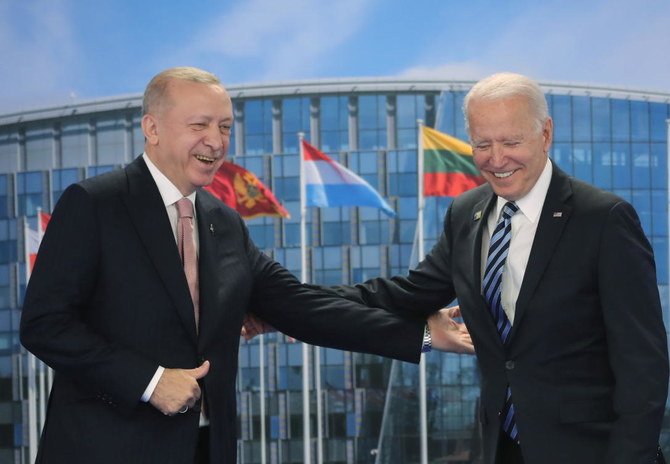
(448, 166)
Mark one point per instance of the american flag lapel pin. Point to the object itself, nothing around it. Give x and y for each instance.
(558, 214)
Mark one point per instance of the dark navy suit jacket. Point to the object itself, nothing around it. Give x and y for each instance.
(108, 302)
(587, 356)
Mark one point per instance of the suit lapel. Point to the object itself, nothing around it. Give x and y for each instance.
(553, 218)
(480, 216)
(147, 212)
(481, 213)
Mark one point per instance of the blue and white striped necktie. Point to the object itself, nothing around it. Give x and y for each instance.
(492, 289)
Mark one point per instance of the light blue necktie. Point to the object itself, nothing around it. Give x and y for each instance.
(491, 288)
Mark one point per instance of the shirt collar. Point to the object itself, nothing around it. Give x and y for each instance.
(169, 192)
(531, 204)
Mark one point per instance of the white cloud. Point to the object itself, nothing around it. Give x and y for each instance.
(611, 42)
(39, 53)
(278, 40)
(465, 70)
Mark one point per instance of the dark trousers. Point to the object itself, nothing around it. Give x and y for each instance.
(509, 451)
(202, 451)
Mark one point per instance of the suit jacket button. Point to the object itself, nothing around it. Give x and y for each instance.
(509, 365)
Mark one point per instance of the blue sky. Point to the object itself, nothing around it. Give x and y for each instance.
(54, 52)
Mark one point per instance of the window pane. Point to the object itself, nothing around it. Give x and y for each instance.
(658, 124)
(621, 165)
(620, 120)
(39, 149)
(582, 161)
(601, 119)
(641, 165)
(581, 119)
(74, 145)
(639, 118)
(560, 113)
(602, 165)
(111, 142)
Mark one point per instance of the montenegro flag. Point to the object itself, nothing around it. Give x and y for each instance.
(241, 190)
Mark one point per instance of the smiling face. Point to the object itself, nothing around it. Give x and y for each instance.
(188, 133)
(507, 146)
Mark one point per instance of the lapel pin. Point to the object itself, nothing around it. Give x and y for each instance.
(211, 229)
(477, 216)
(558, 214)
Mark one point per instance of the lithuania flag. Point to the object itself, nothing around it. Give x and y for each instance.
(448, 167)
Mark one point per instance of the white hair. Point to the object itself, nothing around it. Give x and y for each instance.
(505, 85)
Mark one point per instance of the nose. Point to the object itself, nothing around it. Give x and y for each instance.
(497, 154)
(213, 138)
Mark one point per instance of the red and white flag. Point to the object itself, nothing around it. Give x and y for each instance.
(243, 191)
(33, 238)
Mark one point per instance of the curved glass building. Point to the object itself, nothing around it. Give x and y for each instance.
(363, 409)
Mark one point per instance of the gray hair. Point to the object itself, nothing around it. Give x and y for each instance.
(156, 90)
(505, 85)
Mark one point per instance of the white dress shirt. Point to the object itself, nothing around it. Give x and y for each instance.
(170, 195)
(524, 226)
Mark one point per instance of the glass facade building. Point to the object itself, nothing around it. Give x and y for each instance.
(364, 408)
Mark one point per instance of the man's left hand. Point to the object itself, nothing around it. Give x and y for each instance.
(449, 335)
(252, 326)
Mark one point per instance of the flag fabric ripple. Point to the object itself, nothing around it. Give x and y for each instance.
(449, 168)
(243, 191)
(329, 184)
(33, 238)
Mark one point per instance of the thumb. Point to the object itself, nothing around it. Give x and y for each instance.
(454, 312)
(200, 371)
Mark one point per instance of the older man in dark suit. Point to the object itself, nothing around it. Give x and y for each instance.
(557, 285)
(136, 326)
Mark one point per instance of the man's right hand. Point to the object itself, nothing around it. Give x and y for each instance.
(178, 389)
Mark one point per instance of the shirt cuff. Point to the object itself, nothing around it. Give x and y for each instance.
(152, 385)
(427, 344)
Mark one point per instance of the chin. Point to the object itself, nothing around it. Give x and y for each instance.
(203, 181)
(507, 194)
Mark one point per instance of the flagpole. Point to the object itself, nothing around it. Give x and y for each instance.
(316, 364)
(303, 276)
(423, 410)
(420, 198)
(319, 405)
(32, 397)
(365, 196)
(261, 366)
(41, 367)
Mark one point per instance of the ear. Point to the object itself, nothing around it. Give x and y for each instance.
(548, 133)
(150, 129)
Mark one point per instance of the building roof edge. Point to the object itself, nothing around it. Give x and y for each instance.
(329, 86)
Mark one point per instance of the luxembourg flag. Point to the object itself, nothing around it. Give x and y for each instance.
(329, 184)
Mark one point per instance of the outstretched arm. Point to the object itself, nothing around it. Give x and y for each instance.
(447, 333)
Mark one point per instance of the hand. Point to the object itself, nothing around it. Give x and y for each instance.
(252, 326)
(449, 335)
(177, 389)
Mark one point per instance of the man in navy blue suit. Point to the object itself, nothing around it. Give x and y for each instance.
(583, 364)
